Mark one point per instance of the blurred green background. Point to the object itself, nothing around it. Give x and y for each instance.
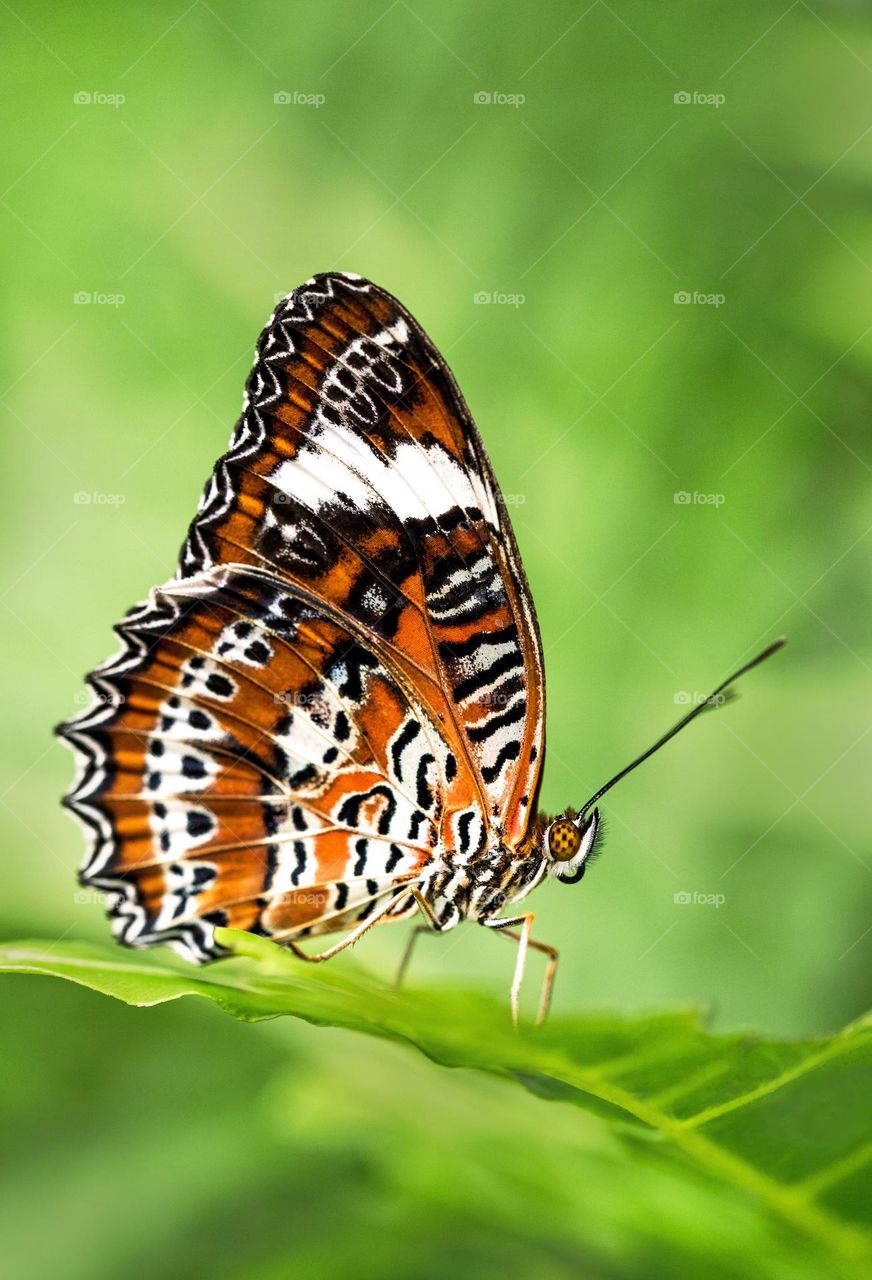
(679, 306)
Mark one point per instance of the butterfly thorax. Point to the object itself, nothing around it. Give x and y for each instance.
(479, 889)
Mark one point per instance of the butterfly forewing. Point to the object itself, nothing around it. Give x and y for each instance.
(343, 683)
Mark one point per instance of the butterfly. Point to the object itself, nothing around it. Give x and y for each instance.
(332, 716)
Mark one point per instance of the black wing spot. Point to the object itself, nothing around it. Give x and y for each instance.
(192, 767)
(219, 685)
(198, 824)
(258, 652)
(308, 773)
(349, 810)
(424, 792)
(407, 734)
(300, 855)
(510, 751)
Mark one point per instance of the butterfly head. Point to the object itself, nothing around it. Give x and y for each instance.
(569, 844)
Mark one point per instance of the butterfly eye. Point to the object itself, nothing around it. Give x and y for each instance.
(564, 840)
(569, 844)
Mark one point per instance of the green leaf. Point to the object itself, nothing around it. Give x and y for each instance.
(787, 1121)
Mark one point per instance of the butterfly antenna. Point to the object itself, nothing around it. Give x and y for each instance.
(717, 698)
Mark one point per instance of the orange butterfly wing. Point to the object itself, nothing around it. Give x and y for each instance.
(343, 684)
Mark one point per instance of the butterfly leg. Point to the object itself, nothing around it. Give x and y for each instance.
(350, 939)
(407, 953)
(431, 927)
(524, 940)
